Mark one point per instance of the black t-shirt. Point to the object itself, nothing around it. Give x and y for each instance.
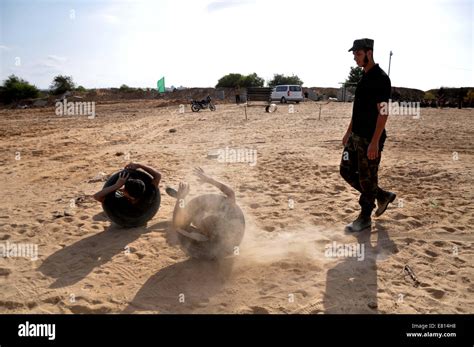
(373, 88)
(125, 207)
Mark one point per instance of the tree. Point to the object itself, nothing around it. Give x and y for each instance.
(234, 80)
(355, 75)
(15, 88)
(61, 84)
(231, 80)
(429, 96)
(252, 80)
(469, 99)
(81, 89)
(282, 79)
(125, 88)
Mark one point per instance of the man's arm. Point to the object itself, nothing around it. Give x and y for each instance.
(349, 129)
(100, 196)
(223, 188)
(155, 174)
(347, 134)
(373, 150)
(180, 216)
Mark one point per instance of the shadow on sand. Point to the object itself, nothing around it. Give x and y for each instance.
(351, 286)
(73, 263)
(182, 287)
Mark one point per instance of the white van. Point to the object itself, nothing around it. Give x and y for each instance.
(285, 93)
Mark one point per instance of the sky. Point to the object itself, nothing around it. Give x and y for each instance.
(105, 43)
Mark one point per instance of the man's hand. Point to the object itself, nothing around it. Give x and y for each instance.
(132, 166)
(123, 177)
(202, 177)
(346, 138)
(100, 196)
(183, 190)
(373, 150)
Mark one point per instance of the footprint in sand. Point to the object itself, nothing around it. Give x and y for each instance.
(11, 305)
(54, 300)
(399, 216)
(302, 292)
(259, 310)
(431, 253)
(5, 271)
(436, 293)
(414, 223)
(82, 309)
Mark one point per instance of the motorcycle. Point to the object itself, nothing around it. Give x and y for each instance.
(203, 104)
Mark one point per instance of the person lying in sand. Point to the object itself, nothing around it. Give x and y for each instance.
(212, 219)
(133, 189)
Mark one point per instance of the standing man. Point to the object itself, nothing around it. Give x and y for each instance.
(365, 136)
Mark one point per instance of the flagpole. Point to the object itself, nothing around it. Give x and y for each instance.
(389, 63)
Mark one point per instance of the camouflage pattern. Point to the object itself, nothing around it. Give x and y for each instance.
(360, 172)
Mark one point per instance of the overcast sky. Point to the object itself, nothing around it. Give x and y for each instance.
(195, 42)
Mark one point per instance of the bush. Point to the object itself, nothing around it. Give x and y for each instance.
(282, 79)
(61, 84)
(429, 96)
(235, 80)
(125, 88)
(469, 98)
(15, 88)
(231, 80)
(252, 80)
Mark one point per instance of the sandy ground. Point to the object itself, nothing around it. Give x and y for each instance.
(295, 203)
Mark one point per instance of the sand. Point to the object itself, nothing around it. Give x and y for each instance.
(295, 202)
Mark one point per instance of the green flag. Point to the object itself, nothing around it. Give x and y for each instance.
(161, 85)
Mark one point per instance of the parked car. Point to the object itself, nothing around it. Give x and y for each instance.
(285, 93)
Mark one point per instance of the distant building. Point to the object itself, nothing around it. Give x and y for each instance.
(345, 94)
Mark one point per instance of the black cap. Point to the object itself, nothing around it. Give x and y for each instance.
(361, 44)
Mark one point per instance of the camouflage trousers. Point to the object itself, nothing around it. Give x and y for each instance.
(362, 173)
